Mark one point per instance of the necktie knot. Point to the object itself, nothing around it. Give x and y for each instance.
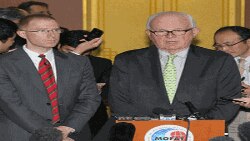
(41, 56)
(171, 56)
(170, 61)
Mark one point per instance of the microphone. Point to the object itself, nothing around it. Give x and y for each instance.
(195, 113)
(244, 131)
(164, 114)
(191, 107)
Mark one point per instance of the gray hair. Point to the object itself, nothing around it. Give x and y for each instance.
(152, 17)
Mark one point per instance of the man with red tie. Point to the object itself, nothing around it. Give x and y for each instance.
(41, 87)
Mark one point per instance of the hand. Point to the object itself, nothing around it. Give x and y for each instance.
(100, 86)
(245, 102)
(246, 90)
(66, 48)
(65, 131)
(68, 139)
(87, 45)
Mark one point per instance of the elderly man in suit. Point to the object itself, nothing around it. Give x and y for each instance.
(41, 87)
(173, 73)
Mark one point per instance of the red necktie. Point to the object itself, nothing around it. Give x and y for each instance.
(48, 78)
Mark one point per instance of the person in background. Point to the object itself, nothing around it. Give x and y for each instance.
(42, 87)
(7, 34)
(35, 7)
(173, 74)
(14, 14)
(71, 40)
(235, 40)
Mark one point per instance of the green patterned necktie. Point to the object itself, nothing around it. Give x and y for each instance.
(169, 76)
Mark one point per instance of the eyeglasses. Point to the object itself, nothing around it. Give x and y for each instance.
(45, 31)
(217, 46)
(173, 32)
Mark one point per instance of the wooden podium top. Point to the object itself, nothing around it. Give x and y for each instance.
(168, 130)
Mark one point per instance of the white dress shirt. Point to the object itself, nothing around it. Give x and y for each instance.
(246, 67)
(179, 62)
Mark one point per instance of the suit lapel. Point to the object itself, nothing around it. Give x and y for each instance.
(28, 69)
(155, 68)
(62, 70)
(194, 65)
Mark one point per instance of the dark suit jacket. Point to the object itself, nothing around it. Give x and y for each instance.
(102, 68)
(137, 87)
(24, 104)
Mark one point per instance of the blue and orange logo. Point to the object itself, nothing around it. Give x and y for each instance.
(168, 133)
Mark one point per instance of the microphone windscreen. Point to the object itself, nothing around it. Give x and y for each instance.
(244, 131)
(122, 131)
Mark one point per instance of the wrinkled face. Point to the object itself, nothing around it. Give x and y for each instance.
(41, 34)
(37, 9)
(4, 46)
(171, 42)
(225, 41)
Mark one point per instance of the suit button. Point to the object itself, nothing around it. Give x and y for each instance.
(48, 104)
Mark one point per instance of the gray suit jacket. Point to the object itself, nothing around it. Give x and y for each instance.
(137, 87)
(24, 104)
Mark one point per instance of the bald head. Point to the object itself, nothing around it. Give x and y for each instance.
(189, 19)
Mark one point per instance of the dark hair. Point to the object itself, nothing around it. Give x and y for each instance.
(46, 134)
(11, 13)
(7, 29)
(26, 5)
(71, 38)
(243, 32)
(24, 21)
(122, 131)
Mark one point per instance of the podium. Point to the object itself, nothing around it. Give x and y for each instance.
(168, 130)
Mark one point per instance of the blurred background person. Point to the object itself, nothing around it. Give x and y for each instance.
(35, 7)
(70, 40)
(235, 40)
(14, 14)
(7, 34)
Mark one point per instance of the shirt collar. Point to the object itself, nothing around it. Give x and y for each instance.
(49, 54)
(181, 54)
(238, 58)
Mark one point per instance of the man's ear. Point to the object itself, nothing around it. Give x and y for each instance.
(195, 31)
(149, 34)
(21, 34)
(248, 42)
